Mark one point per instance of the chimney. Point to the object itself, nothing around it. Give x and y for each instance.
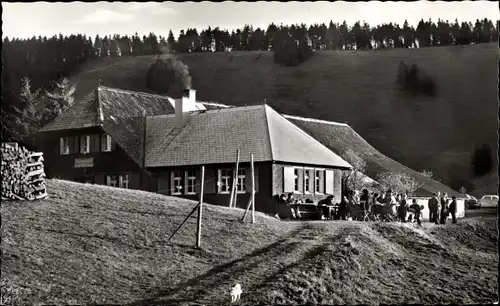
(191, 94)
(183, 106)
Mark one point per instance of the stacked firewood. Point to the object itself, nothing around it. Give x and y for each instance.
(22, 173)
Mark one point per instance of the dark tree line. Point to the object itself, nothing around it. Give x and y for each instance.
(45, 60)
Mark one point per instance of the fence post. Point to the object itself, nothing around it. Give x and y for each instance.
(200, 211)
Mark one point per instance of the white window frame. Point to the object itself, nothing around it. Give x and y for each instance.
(85, 144)
(177, 182)
(296, 181)
(308, 180)
(227, 178)
(319, 181)
(64, 145)
(123, 181)
(106, 143)
(190, 182)
(241, 181)
(111, 180)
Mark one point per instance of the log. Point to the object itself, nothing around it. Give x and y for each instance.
(22, 173)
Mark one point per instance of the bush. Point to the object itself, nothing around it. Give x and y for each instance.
(290, 52)
(166, 74)
(411, 81)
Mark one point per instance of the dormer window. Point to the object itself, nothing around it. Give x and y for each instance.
(85, 144)
(64, 145)
(106, 143)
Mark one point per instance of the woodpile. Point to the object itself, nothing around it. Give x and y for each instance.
(22, 173)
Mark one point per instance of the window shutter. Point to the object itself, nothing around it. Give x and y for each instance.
(329, 182)
(163, 183)
(218, 182)
(91, 143)
(113, 144)
(61, 145)
(337, 181)
(97, 143)
(288, 179)
(210, 181)
(248, 172)
(300, 172)
(197, 186)
(172, 184)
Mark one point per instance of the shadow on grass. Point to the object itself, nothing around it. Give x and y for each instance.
(219, 274)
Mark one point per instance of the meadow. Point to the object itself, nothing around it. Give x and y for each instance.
(89, 244)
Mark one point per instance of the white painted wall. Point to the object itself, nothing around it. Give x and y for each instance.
(425, 211)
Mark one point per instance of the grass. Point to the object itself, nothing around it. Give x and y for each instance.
(91, 244)
(437, 134)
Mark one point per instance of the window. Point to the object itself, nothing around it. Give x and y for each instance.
(191, 182)
(225, 180)
(106, 143)
(177, 182)
(85, 144)
(241, 184)
(123, 181)
(319, 185)
(307, 176)
(296, 179)
(111, 180)
(64, 146)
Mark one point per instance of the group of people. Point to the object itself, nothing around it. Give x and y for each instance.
(441, 207)
(388, 204)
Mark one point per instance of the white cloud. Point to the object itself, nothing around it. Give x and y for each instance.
(154, 8)
(135, 6)
(105, 16)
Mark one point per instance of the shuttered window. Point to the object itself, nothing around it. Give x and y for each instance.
(85, 144)
(190, 182)
(106, 143)
(224, 180)
(123, 181)
(319, 181)
(241, 181)
(176, 180)
(64, 146)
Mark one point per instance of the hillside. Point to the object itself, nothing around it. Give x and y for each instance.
(95, 244)
(438, 134)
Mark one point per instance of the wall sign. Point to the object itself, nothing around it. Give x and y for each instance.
(87, 162)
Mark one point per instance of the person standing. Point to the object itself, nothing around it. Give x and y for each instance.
(453, 210)
(444, 208)
(403, 207)
(365, 200)
(433, 209)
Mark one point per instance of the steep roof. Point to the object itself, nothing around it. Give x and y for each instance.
(81, 114)
(340, 137)
(214, 136)
(121, 113)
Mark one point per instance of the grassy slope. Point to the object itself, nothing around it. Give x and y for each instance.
(355, 87)
(95, 244)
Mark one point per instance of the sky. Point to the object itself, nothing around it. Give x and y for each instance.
(23, 20)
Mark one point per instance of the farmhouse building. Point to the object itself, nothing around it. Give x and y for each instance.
(340, 137)
(142, 141)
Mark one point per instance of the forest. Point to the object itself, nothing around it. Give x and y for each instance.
(40, 64)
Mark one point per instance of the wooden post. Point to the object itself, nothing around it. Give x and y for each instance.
(200, 211)
(247, 209)
(253, 188)
(194, 209)
(232, 197)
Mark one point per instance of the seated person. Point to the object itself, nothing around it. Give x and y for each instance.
(324, 206)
